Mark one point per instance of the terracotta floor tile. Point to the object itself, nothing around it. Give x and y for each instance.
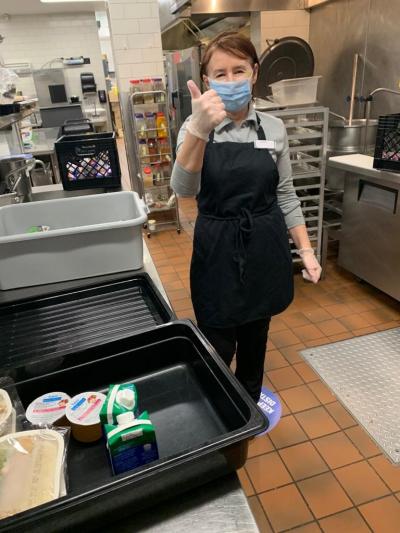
(287, 433)
(332, 327)
(245, 482)
(361, 305)
(165, 269)
(259, 515)
(346, 522)
(383, 516)
(324, 495)
(313, 527)
(306, 372)
(308, 333)
(274, 359)
(303, 461)
(388, 472)
(260, 445)
(361, 482)
(354, 322)
(317, 422)
(337, 450)
(339, 310)
(178, 294)
(285, 409)
(283, 378)
(398, 496)
(173, 285)
(364, 331)
(283, 338)
(291, 353)
(299, 398)
(322, 392)
(376, 316)
(317, 315)
(294, 320)
(341, 415)
(277, 325)
(285, 508)
(363, 441)
(388, 325)
(341, 337)
(179, 305)
(317, 342)
(267, 472)
(327, 299)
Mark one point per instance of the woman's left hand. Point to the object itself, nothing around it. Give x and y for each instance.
(313, 269)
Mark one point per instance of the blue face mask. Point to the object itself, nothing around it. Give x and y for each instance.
(234, 94)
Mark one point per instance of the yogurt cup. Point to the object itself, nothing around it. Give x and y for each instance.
(48, 409)
(7, 414)
(83, 413)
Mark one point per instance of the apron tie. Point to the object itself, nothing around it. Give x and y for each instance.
(245, 225)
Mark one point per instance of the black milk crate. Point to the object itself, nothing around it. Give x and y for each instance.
(88, 160)
(387, 146)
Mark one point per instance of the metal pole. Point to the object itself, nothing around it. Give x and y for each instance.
(353, 89)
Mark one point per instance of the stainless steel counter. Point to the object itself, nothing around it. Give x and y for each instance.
(218, 506)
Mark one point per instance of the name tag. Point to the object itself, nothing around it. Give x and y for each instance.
(264, 145)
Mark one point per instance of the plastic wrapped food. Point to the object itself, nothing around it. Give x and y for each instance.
(31, 469)
(7, 414)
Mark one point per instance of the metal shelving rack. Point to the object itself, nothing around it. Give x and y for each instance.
(307, 130)
(156, 196)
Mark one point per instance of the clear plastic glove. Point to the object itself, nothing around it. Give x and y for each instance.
(312, 271)
(208, 111)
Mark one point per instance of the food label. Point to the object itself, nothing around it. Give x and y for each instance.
(47, 408)
(85, 408)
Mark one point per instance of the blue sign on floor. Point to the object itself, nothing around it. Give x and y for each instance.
(271, 407)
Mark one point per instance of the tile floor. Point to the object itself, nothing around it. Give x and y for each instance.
(318, 470)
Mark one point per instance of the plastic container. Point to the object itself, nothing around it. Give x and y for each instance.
(48, 409)
(88, 160)
(140, 126)
(135, 87)
(202, 418)
(387, 146)
(7, 414)
(89, 236)
(147, 87)
(32, 467)
(296, 91)
(83, 413)
(150, 119)
(161, 123)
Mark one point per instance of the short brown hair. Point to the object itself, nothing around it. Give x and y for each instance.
(233, 43)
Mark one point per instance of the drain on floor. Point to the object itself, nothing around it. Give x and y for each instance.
(364, 373)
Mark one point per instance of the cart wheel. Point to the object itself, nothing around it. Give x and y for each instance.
(145, 226)
(148, 235)
(178, 231)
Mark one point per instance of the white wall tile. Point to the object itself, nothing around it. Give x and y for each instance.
(117, 11)
(152, 54)
(138, 11)
(149, 25)
(121, 42)
(141, 40)
(124, 27)
(128, 56)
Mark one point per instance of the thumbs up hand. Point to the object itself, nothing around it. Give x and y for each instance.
(208, 111)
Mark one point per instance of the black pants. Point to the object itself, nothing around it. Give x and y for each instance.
(249, 341)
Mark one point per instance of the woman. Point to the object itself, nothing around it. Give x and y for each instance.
(237, 163)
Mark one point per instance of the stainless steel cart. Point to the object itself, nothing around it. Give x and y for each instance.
(153, 147)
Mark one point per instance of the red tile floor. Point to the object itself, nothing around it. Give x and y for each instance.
(318, 470)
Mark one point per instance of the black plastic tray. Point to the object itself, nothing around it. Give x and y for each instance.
(35, 332)
(202, 416)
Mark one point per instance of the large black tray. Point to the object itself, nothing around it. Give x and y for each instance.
(202, 415)
(37, 332)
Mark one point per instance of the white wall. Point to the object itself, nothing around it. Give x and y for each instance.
(136, 39)
(38, 39)
(277, 24)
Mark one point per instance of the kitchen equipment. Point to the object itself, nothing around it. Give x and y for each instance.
(88, 161)
(295, 91)
(76, 126)
(55, 116)
(286, 58)
(345, 139)
(15, 185)
(89, 236)
(371, 228)
(201, 414)
(37, 333)
(88, 83)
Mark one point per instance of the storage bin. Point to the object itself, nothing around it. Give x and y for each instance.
(88, 236)
(88, 160)
(296, 91)
(202, 416)
(387, 145)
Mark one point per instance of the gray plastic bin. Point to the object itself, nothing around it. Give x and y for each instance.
(88, 236)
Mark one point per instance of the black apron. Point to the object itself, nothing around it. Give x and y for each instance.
(241, 267)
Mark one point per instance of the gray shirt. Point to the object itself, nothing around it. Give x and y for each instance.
(186, 183)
